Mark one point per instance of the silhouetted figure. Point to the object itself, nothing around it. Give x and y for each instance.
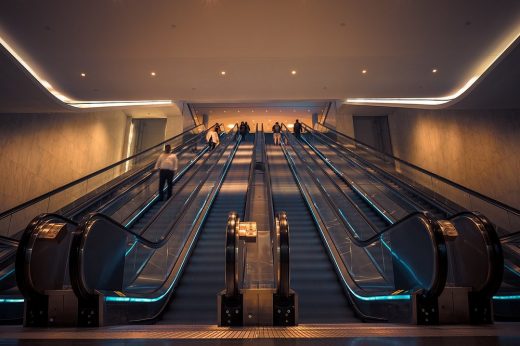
(167, 164)
(297, 128)
(242, 130)
(277, 135)
(248, 129)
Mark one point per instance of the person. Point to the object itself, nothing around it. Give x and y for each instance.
(212, 138)
(242, 130)
(277, 133)
(248, 129)
(297, 128)
(167, 164)
(217, 128)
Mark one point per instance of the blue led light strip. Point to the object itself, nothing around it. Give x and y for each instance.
(177, 177)
(358, 296)
(352, 185)
(11, 300)
(511, 297)
(155, 299)
(7, 274)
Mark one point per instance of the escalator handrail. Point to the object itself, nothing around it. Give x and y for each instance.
(446, 209)
(495, 252)
(326, 141)
(150, 174)
(330, 245)
(507, 237)
(273, 221)
(493, 249)
(368, 241)
(8, 241)
(249, 196)
(82, 179)
(231, 270)
(181, 148)
(23, 253)
(77, 248)
(373, 204)
(436, 235)
(269, 189)
(159, 212)
(424, 171)
(353, 204)
(284, 280)
(14, 243)
(147, 204)
(198, 224)
(146, 242)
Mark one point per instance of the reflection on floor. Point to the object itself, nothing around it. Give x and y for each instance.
(340, 334)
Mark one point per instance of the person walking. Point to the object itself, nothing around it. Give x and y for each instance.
(297, 128)
(248, 129)
(242, 130)
(212, 138)
(167, 164)
(277, 133)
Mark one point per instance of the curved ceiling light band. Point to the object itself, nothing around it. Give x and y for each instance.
(77, 103)
(501, 51)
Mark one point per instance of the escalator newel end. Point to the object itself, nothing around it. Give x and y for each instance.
(230, 301)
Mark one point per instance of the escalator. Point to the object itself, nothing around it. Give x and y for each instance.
(193, 302)
(325, 302)
(378, 182)
(109, 190)
(167, 265)
(474, 250)
(111, 263)
(386, 274)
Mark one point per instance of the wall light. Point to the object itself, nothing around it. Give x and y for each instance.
(223, 73)
(434, 70)
(72, 102)
(83, 74)
(293, 72)
(364, 71)
(153, 74)
(482, 68)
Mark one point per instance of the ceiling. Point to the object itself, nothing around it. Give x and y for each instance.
(261, 109)
(188, 43)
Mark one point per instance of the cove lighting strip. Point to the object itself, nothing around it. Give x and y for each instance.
(77, 103)
(438, 101)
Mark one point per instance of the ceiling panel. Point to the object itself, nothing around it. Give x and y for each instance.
(187, 43)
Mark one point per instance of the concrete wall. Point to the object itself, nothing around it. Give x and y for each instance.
(40, 152)
(174, 125)
(479, 149)
(149, 132)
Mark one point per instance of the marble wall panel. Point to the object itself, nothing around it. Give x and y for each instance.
(40, 152)
(475, 148)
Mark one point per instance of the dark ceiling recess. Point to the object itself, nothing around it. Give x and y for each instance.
(258, 42)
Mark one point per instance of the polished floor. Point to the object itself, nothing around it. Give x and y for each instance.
(337, 334)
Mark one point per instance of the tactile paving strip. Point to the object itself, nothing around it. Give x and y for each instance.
(299, 332)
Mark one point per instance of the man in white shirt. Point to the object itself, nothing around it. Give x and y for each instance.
(167, 164)
(212, 138)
